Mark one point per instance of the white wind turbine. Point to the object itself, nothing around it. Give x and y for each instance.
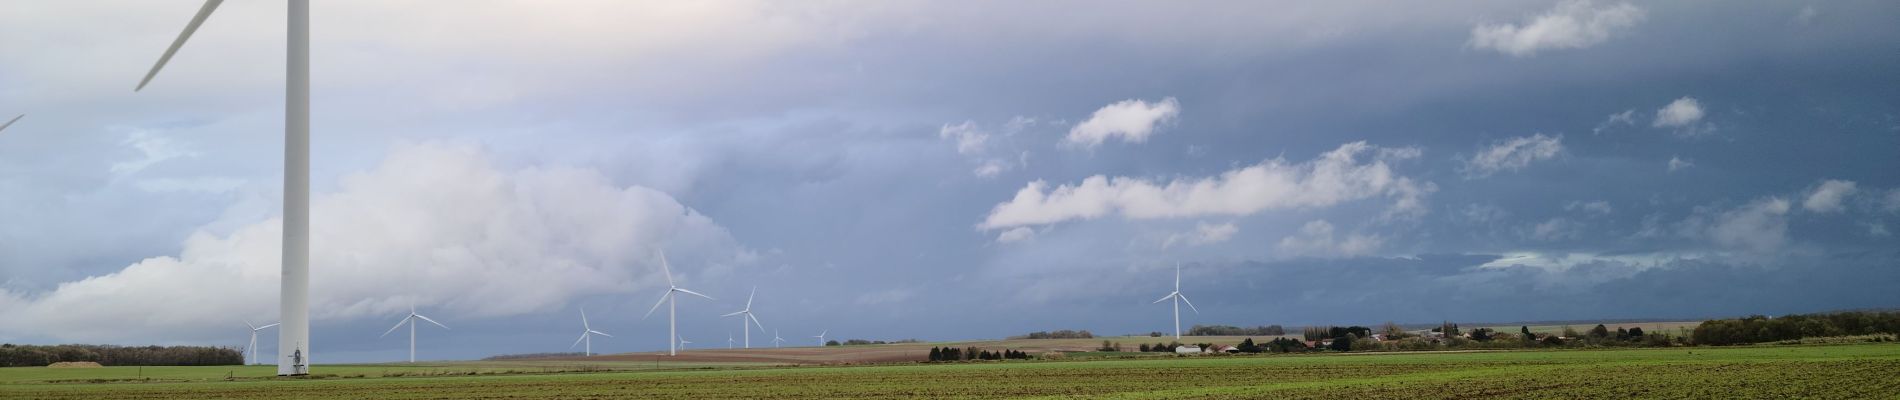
(1178, 298)
(728, 340)
(11, 121)
(254, 329)
(746, 315)
(671, 299)
(684, 342)
(775, 339)
(294, 303)
(411, 320)
(587, 335)
(821, 337)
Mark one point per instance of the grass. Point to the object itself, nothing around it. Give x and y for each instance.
(1807, 371)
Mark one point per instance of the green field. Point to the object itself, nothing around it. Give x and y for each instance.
(1836, 371)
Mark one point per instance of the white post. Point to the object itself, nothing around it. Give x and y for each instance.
(294, 306)
(672, 334)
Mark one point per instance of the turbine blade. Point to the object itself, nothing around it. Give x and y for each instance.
(733, 313)
(196, 20)
(665, 268)
(398, 325)
(694, 293)
(1177, 277)
(1190, 304)
(748, 298)
(10, 122)
(584, 319)
(248, 323)
(268, 326)
(1165, 298)
(599, 333)
(755, 322)
(577, 342)
(432, 321)
(656, 306)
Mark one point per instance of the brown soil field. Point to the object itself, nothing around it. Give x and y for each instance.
(889, 353)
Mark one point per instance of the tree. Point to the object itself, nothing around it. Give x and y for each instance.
(1600, 331)
(1392, 330)
(1342, 343)
(1247, 346)
(1528, 336)
(1144, 347)
(1481, 334)
(1636, 333)
(831, 343)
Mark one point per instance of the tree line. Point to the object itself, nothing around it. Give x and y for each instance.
(1225, 330)
(1761, 329)
(20, 355)
(971, 353)
(1061, 334)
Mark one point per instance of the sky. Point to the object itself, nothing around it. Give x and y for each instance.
(943, 170)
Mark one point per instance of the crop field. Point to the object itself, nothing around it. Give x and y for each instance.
(1807, 371)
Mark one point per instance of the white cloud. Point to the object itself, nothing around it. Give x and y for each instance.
(990, 168)
(1316, 239)
(1683, 114)
(1556, 229)
(152, 148)
(1203, 234)
(890, 296)
(1513, 154)
(1335, 177)
(1827, 197)
(1599, 207)
(1572, 24)
(1892, 202)
(1019, 234)
(1877, 228)
(1759, 226)
(190, 185)
(1626, 118)
(1677, 163)
(1806, 15)
(1483, 213)
(1133, 120)
(435, 225)
(969, 137)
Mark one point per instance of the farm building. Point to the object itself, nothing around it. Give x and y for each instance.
(1228, 349)
(1188, 349)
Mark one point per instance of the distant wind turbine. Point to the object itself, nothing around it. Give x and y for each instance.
(294, 301)
(746, 315)
(671, 300)
(254, 328)
(821, 337)
(1178, 298)
(411, 320)
(10, 122)
(587, 335)
(775, 339)
(684, 342)
(728, 340)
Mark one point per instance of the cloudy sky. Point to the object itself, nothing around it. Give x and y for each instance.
(944, 170)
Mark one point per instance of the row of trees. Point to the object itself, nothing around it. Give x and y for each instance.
(1760, 329)
(1334, 332)
(1061, 334)
(972, 353)
(17, 355)
(1225, 330)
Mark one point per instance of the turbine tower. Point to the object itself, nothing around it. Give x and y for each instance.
(821, 337)
(671, 300)
(294, 304)
(411, 320)
(1178, 298)
(11, 121)
(254, 329)
(587, 335)
(775, 339)
(746, 315)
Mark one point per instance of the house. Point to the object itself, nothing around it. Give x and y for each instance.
(1228, 349)
(1188, 349)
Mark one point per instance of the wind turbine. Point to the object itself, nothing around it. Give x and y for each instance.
(587, 335)
(746, 315)
(671, 300)
(294, 303)
(254, 329)
(821, 337)
(775, 339)
(411, 320)
(684, 342)
(1178, 298)
(728, 340)
(10, 122)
